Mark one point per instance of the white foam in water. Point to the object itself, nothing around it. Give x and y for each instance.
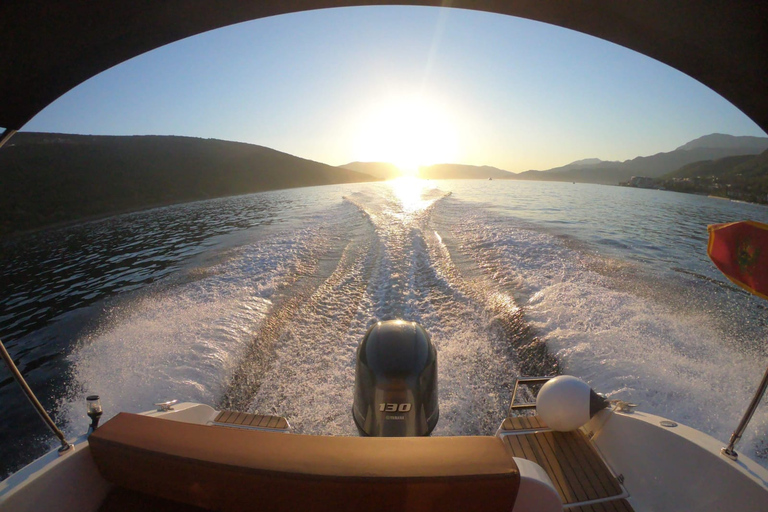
(168, 347)
(184, 342)
(630, 348)
(391, 272)
(674, 364)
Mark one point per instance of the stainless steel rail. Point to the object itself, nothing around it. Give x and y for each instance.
(65, 445)
(526, 381)
(728, 451)
(6, 135)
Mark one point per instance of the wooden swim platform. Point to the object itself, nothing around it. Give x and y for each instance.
(245, 420)
(621, 505)
(516, 423)
(572, 463)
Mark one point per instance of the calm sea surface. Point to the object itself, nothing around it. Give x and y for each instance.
(257, 303)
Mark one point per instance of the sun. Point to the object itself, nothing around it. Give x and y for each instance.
(409, 132)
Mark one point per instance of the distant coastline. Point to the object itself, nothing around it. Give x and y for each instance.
(52, 180)
(738, 178)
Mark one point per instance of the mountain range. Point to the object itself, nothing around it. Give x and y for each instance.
(380, 170)
(709, 147)
(594, 170)
(742, 177)
(387, 171)
(456, 171)
(48, 178)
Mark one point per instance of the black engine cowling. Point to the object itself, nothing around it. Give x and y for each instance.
(396, 381)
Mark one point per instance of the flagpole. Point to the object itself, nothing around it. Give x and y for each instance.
(728, 451)
(740, 251)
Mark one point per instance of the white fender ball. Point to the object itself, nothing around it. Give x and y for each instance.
(564, 403)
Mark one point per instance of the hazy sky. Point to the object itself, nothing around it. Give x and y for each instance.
(413, 85)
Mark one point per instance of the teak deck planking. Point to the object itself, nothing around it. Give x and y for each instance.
(576, 470)
(523, 423)
(251, 420)
(606, 506)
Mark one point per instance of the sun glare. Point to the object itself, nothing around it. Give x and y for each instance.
(408, 132)
(409, 190)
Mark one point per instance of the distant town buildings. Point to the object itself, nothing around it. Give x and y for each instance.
(754, 190)
(641, 182)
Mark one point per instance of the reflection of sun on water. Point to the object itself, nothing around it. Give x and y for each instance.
(408, 132)
(409, 191)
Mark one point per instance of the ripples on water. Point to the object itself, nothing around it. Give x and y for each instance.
(258, 303)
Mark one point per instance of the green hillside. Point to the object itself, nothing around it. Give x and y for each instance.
(719, 167)
(737, 177)
(52, 178)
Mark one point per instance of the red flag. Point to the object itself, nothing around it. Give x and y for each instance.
(740, 251)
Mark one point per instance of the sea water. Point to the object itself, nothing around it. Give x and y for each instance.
(257, 303)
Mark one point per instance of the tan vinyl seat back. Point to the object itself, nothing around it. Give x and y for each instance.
(230, 469)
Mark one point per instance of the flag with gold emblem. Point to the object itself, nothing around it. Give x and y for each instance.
(740, 251)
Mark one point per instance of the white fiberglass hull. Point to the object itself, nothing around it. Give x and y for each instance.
(660, 468)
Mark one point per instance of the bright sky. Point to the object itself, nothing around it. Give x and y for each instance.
(409, 85)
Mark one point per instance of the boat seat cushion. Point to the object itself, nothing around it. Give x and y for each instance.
(222, 468)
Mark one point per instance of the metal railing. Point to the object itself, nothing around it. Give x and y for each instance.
(728, 451)
(526, 381)
(5, 136)
(65, 445)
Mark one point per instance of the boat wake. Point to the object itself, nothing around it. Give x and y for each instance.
(630, 335)
(270, 322)
(273, 324)
(392, 265)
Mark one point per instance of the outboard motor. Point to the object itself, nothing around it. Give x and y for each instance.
(396, 381)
